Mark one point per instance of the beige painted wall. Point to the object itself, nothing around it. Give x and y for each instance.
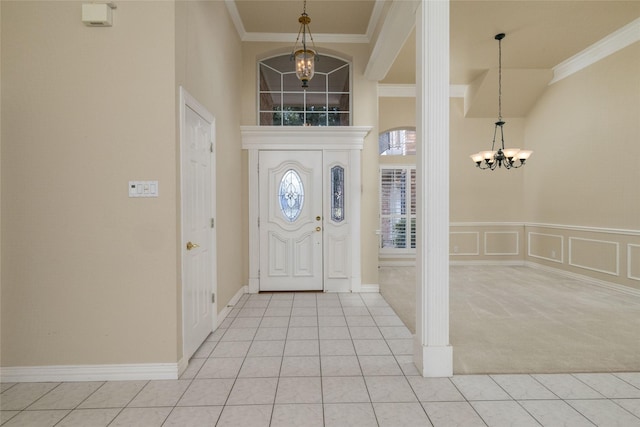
(89, 275)
(365, 113)
(208, 65)
(585, 131)
(487, 196)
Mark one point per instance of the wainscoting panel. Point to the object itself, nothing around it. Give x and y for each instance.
(464, 243)
(501, 243)
(596, 255)
(549, 247)
(601, 255)
(633, 261)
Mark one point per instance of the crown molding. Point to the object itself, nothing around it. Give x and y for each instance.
(291, 37)
(235, 17)
(612, 43)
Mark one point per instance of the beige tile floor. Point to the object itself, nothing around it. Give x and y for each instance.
(307, 359)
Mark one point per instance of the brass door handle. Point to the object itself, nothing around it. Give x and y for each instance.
(318, 218)
(318, 228)
(192, 246)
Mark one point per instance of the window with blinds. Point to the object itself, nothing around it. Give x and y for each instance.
(397, 209)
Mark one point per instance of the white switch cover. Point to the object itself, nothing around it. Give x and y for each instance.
(143, 188)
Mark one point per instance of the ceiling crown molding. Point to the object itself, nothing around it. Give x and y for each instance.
(287, 37)
(614, 42)
(235, 17)
(318, 38)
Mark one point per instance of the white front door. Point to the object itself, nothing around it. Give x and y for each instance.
(198, 234)
(291, 224)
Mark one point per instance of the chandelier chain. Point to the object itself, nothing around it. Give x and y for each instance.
(499, 79)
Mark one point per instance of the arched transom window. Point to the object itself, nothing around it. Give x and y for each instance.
(283, 102)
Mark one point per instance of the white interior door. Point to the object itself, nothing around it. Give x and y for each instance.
(291, 223)
(198, 232)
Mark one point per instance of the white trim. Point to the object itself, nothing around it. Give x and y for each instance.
(304, 137)
(183, 364)
(529, 254)
(235, 17)
(71, 373)
(587, 279)
(625, 232)
(611, 44)
(318, 38)
(617, 246)
(629, 276)
(396, 90)
(374, 19)
(234, 300)
(394, 32)
(369, 287)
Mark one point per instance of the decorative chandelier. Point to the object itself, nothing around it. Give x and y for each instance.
(507, 157)
(304, 58)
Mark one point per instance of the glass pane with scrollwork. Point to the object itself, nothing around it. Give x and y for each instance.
(291, 195)
(337, 193)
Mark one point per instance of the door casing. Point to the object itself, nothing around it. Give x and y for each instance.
(340, 145)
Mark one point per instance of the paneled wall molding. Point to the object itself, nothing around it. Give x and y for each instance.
(516, 248)
(530, 252)
(588, 279)
(614, 246)
(630, 265)
(455, 250)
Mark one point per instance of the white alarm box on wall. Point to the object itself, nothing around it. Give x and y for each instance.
(97, 15)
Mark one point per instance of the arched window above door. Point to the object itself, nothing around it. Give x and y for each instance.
(283, 102)
(398, 142)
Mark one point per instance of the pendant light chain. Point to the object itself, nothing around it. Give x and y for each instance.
(499, 79)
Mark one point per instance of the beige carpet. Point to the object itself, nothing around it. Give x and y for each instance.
(525, 320)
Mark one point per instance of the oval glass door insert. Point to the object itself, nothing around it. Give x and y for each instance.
(291, 195)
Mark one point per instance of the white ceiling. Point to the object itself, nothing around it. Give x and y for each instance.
(540, 35)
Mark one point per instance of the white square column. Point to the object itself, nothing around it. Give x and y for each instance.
(433, 354)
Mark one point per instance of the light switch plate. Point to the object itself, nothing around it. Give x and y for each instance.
(143, 189)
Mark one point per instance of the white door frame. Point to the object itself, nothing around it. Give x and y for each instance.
(346, 140)
(186, 100)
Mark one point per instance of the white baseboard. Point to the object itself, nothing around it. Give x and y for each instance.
(71, 373)
(369, 287)
(234, 300)
(590, 280)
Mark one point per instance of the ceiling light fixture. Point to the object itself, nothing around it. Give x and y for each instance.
(507, 157)
(304, 58)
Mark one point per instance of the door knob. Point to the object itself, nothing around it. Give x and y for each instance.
(192, 246)
(318, 218)
(318, 228)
